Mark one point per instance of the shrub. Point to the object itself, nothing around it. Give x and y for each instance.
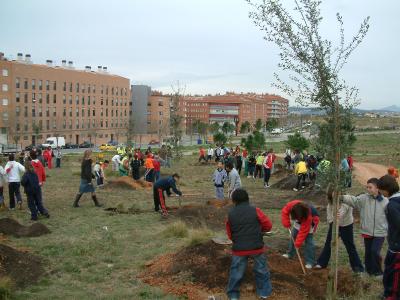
(199, 236)
(177, 229)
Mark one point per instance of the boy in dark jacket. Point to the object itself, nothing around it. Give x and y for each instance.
(389, 187)
(161, 185)
(135, 166)
(245, 227)
(30, 182)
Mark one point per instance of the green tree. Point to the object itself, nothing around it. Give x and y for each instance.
(297, 141)
(220, 138)
(314, 65)
(271, 124)
(258, 125)
(227, 128)
(214, 128)
(245, 127)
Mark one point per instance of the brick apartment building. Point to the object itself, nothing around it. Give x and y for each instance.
(43, 100)
(232, 108)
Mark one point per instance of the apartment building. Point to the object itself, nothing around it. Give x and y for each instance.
(43, 100)
(233, 108)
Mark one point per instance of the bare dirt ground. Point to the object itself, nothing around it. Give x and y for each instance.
(365, 171)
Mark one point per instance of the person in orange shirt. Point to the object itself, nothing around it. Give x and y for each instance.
(148, 164)
(202, 155)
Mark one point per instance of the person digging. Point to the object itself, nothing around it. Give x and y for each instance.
(161, 185)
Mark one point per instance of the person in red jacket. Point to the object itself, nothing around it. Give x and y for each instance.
(157, 167)
(245, 227)
(48, 156)
(306, 220)
(38, 167)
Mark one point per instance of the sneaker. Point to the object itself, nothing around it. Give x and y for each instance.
(266, 186)
(318, 267)
(12, 208)
(296, 190)
(286, 255)
(309, 266)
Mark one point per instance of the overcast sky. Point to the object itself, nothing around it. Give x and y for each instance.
(211, 46)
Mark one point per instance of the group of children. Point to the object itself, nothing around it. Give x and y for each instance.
(31, 175)
(379, 216)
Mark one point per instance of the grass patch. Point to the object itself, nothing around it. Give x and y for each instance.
(199, 236)
(177, 229)
(6, 288)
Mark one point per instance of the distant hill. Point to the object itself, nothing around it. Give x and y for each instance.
(317, 112)
(393, 108)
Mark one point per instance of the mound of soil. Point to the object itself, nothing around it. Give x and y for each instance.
(287, 183)
(10, 226)
(21, 267)
(219, 203)
(127, 182)
(202, 216)
(201, 270)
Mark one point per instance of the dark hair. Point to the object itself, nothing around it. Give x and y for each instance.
(373, 180)
(33, 154)
(176, 175)
(388, 184)
(130, 155)
(106, 161)
(240, 196)
(11, 157)
(300, 211)
(229, 165)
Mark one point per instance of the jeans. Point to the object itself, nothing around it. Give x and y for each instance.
(13, 192)
(58, 162)
(258, 171)
(156, 175)
(391, 276)
(219, 193)
(35, 204)
(149, 177)
(309, 251)
(346, 234)
(261, 272)
(251, 170)
(373, 258)
(301, 177)
(267, 175)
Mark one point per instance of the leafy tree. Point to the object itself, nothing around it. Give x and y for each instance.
(220, 138)
(314, 66)
(214, 128)
(297, 141)
(258, 125)
(245, 127)
(227, 128)
(271, 124)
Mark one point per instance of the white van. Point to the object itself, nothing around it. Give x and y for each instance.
(54, 142)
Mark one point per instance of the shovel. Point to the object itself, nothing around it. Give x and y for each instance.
(297, 252)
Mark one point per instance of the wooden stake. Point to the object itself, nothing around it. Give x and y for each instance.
(298, 253)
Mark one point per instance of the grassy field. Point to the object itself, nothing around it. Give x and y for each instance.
(92, 254)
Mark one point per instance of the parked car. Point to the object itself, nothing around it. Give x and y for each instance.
(54, 142)
(154, 142)
(86, 144)
(30, 147)
(106, 147)
(8, 149)
(71, 146)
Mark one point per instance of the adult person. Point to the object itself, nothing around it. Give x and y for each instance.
(116, 160)
(165, 185)
(14, 171)
(86, 185)
(48, 156)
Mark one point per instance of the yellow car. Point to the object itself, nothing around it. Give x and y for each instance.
(106, 147)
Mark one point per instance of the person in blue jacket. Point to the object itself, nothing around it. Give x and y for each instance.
(161, 185)
(389, 187)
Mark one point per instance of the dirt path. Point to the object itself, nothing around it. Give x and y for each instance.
(365, 171)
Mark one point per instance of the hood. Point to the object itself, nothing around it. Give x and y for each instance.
(35, 163)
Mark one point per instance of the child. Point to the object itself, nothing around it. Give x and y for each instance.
(301, 171)
(164, 184)
(157, 167)
(373, 224)
(135, 166)
(148, 164)
(103, 167)
(30, 182)
(233, 178)
(219, 178)
(97, 173)
(391, 276)
(306, 220)
(251, 165)
(202, 155)
(14, 170)
(58, 157)
(3, 180)
(345, 213)
(259, 162)
(245, 227)
(210, 153)
(38, 167)
(267, 164)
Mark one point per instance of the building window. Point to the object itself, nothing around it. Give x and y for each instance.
(48, 124)
(94, 88)
(18, 127)
(5, 116)
(70, 87)
(70, 100)
(83, 100)
(17, 97)
(4, 87)
(25, 83)
(33, 112)
(64, 112)
(5, 72)
(40, 98)
(70, 112)
(77, 124)
(17, 83)
(77, 112)
(88, 100)
(64, 124)
(33, 84)
(26, 98)
(54, 112)
(65, 86)
(47, 85)
(54, 99)
(17, 111)
(77, 100)
(83, 88)
(5, 101)
(94, 112)
(77, 87)
(54, 124)
(47, 99)
(40, 112)
(47, 112)
(70, 124)
(33, 97)
(64, 99)
(94, 100)
(54, 86)
(40, 85)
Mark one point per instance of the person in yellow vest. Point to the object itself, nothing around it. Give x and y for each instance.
(301, 171)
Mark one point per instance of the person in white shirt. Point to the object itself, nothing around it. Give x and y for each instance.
(3, 180)
(116, 161)
(14, 170)
(210, 153)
